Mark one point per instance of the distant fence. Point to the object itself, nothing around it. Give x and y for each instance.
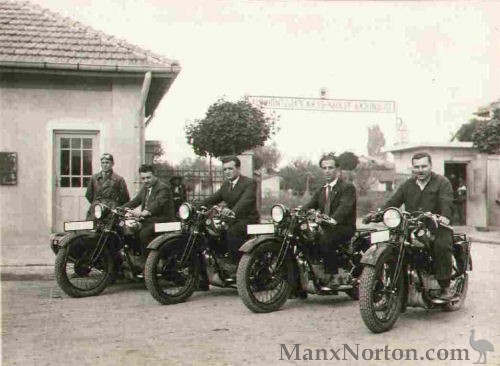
(199, 184)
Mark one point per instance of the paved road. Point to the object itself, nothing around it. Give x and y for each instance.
(125, 326)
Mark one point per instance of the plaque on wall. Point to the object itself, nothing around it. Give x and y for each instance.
(8, 168)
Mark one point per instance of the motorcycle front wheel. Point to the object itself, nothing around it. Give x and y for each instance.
(76, 274)
(380, 307)
(167, 280)
(261, 287)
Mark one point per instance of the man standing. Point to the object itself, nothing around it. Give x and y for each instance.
(240, 195)
(106, 187)
(155, 200)
(337, 199)
(430, 192)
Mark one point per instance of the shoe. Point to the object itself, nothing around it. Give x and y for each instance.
(298, 294)
(446, 294)
(203, 286)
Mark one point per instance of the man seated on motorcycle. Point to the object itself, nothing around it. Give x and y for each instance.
(336, 199)
(155, 200)
(430, 192)
(106, 187)
(240, 196)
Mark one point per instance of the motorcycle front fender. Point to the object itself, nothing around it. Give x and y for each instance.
(69, 237)
(372, 255)
(163, 239)
(253, 243)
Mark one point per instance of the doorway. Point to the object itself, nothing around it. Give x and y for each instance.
(75, 154)
(456, 173)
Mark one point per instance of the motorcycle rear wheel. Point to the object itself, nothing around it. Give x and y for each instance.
(74, 272)
(380, 310)
(260, 288)
(166, 281)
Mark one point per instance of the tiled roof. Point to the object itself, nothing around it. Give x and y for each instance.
(31, 34)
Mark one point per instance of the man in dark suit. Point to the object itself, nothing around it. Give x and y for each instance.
(240, 195)
(155, 199)
(336, 199)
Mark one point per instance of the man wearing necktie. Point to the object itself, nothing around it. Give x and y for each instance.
(155, 199)
(337, 199)
(240, 195)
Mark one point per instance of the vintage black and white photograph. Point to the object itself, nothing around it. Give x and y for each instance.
(249, 182)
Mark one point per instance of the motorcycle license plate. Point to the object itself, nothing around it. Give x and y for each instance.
(165, 227)
(78, 225)
(260, 229)
(379, 236)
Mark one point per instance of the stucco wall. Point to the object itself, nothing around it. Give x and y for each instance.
(32, 107)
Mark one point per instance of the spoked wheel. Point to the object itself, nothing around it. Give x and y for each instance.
(459, 286)
(379, 306)
(76, 273)
(167, 280)
(261, 287)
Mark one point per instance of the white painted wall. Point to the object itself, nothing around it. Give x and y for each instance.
(30, 111)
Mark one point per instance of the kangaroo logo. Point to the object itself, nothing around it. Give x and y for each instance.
(481, 345)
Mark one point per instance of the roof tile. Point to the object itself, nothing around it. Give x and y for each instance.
(29, 33)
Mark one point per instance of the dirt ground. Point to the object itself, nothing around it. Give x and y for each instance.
(126, 326)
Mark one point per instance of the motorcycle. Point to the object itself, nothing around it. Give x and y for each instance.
(177, 259)
(284, 256)
(90, 255)
(398, 271)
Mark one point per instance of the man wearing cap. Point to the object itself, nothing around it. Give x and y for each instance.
(337, 199)
(106, 187)
(155, 200)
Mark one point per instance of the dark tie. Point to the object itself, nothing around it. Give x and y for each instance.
(146, 198)
(328, 196)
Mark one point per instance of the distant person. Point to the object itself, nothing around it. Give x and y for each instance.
(461, 201)
(106, 187)
(155, 201)
(178, 191)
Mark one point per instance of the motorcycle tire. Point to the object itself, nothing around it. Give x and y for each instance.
(255, 273)
(74, 273)
(161, 274)
(379, 312)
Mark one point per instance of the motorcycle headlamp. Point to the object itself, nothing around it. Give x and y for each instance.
(98, 211)
(392, 218)
(185, 211)
(278, 213)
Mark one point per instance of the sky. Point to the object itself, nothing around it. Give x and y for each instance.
(438, 61)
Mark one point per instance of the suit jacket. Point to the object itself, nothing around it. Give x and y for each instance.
(342, 203)
(242, 199)
(159, 203)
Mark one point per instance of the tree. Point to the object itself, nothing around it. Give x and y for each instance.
(229, 129)
(348, 161)
(376, 140)
(266, 157)
(466, 131)
(296, 175)
(486, 136)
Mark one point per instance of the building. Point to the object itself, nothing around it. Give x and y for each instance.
(67, 94)
(481, 173)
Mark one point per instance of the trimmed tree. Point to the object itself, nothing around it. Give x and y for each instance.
(486, 136)
(229, 129)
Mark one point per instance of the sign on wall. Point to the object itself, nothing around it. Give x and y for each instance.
(8, 168)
